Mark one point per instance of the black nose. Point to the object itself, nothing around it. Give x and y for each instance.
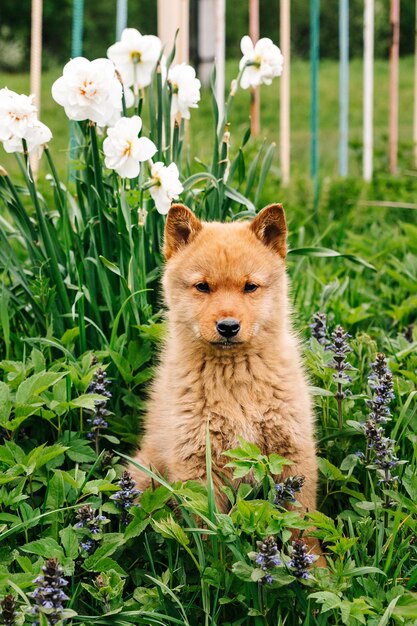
(228, 327)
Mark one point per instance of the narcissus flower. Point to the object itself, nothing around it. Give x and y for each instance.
(36, 137)
(89, 90)
(185, 89)
(17, 114)
(263, 62)
(166, 185)
(124, 150)
(135, 56)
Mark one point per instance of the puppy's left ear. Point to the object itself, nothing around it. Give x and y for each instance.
(181, 227)
(271, 228)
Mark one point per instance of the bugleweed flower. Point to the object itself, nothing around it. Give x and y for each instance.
(127, 495)
(98, 421)
(267, 558)
(135, 56)
(382, 447)
(340, 348)
(185, 89)
(285, 491)
(49, 594)
(88, 520)
(124, 150)
(166, 185)
(300, 560)
(319, 328)
(260, 63)
(89, 90)
(8, 610)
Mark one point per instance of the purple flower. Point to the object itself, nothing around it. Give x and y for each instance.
(49, 595)
(285, 491)
(267, 558)
(300, 560)
(319, 328)
(98, 419)
(8, 610)
(127, 495)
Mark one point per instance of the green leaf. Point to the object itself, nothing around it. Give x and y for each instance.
(5, 404)
(170, 529)
(36, 384)
(328, 252)
(111, 543)
(47, 547)
(69, 540)
(329, 470)
(327, 599)
(277, 463)
(80, 451)
(151, 501)
(138, 524)
(243, 571)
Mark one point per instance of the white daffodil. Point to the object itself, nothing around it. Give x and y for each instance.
(185, 89)
(17, 114)
(166, 185)
(124, 150)
(263, 62)
(89, 90)
(135, 56)
(36, 137)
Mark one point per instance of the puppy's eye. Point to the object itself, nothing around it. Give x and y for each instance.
(250, 287)
(203, 287)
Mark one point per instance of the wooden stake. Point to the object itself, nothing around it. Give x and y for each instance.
(368, 89)
(284, 118)
(219, 55)
(393, 85)
(36, 64)
(255, 96)
(121, 18)
(173, 14)
(344, 87)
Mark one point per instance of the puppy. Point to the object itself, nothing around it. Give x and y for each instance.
(230, 359)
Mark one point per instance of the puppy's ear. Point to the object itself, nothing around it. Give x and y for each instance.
(271, 228)
(181, 227)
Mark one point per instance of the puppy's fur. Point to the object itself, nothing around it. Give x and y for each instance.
(252, 384)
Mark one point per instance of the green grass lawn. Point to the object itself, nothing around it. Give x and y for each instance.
(53, 115)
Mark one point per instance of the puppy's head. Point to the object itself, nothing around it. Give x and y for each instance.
(225, 283)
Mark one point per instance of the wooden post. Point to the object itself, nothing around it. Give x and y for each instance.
(415, 94)
(368, 89)
(393, 87)
(36, 64)
(314, 55)
(121, 18)
(255, 95)
(173, 14)
(344, 87)
(219, 55)
(284, 118)
(206, 40)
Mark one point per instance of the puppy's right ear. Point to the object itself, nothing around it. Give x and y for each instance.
(180, 229)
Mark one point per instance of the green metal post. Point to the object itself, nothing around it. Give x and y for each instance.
(314, 55)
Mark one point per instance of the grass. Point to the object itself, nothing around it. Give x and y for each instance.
(53, 115)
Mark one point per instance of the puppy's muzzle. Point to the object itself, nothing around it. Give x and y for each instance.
(228, 327)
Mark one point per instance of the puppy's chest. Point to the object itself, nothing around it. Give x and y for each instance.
(258, 410)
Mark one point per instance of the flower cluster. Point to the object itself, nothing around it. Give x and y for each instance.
(127, 495)
(89, 90)
(185, 89)
(49, 594)
(260, 62)
(124, 150)
(285, 491)
(20, 129)
(99, 385)
(319, 328)
(91, 523)
(135, 57)
(383, 448)
(340, 348)
(8, 610)
(300, 560)
(267, 558)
